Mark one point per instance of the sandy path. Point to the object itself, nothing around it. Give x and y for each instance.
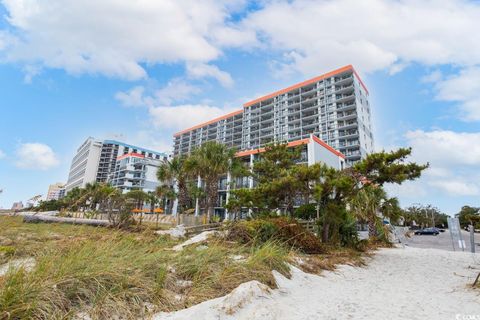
(405, 283)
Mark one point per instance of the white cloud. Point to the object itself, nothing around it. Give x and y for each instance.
(115, 38)
(132, 98)
(409, 189)
(37, 156)
(371, 34)
(153, 140)
(176, 90)
(2, 154)
(432, 77)
(166, 112)
(183, 116)
(30, 72)
(203, 70)
(457, 187)
(463, 88)
(445, 148)
(454, 159)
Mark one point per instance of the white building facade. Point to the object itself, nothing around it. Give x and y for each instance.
(333, 107)
(96, 161)
(84, 165)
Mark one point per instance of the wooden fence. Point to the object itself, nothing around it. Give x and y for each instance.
(308, 224)
(150, 218)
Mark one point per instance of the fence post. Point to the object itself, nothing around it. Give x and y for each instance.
(472, 238)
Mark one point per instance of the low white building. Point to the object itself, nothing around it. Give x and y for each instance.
(134, 171)
(313, 150)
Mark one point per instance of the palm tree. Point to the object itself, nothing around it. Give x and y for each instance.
(391, 209)
(209, 162)
(366, 203)
(90, 191)
(139, 196)
(166, 194)
(174, 172)
(72, 199)
(104, 193)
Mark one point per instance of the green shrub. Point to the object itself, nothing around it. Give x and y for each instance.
(7, 251)
(348, 232)
(306, 211)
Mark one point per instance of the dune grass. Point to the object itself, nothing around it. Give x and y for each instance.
(103, 273)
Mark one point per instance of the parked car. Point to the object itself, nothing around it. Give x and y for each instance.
(428, 231)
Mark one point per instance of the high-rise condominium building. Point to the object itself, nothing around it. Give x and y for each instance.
(333, 107)
(96, 161)
(56, 191)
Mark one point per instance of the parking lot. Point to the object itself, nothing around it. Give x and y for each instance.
(442, 241)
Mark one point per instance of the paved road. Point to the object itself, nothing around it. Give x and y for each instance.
(442, 241)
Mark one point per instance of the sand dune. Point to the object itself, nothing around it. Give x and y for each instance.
(398, 283)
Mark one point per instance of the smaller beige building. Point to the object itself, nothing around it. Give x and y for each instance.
(56, 191)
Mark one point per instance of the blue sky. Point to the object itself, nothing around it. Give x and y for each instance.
(140, 71)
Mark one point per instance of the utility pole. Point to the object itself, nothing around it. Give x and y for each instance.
(433, 218)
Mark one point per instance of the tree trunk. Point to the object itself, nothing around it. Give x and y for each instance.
(211, 191)
(182, 197)
(290, 209)
(372, 228)
(325, 231)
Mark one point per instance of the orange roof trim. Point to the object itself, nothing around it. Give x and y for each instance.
(260, 150)
(304, 83)
(326, 146)
(131, 154)
(228, 115)
(294, 144)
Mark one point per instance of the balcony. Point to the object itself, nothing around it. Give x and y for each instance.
(294, 119)
(343, 79)
(266, 133)
(344, 97)
(345, 106)
(350, 133)
(346, 115)
(348, 124)
(309, 114)
(344, 144)
(267, 119)
(297, 126)
(344, 88)
(292, 111)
